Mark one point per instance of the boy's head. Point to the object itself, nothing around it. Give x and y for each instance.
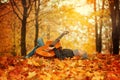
(81, 53)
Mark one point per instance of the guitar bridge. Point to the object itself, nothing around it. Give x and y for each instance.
(46, 50)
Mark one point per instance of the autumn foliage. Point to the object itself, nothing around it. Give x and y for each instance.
(96, 67)
(53, 19)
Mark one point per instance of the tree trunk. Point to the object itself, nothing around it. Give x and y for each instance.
(23, 37)
(48, 32)
(115, 16)
(23, 32)
(22, 13)
(36, 21)
(14, 45)
(96, 28)
(36, 30)
(100, 34)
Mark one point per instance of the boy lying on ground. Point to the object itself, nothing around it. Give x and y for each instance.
(59, 53)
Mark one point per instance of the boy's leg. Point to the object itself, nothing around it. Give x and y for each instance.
(39, 44)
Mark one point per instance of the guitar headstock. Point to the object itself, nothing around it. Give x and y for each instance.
(65, 32)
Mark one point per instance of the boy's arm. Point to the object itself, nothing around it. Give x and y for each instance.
(58, 53)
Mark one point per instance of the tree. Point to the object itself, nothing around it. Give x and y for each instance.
(99, 49)
(115, 17)
(96, 29)
(37, 9)
(22, 14)
(98, 26)
(39, 14)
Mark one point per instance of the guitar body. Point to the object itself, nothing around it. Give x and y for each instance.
(44, 51)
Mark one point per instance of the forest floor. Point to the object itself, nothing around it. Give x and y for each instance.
(96, 67)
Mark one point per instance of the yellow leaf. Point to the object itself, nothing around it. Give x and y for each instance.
(31, 74)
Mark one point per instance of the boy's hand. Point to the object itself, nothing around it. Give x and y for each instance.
(51, 48)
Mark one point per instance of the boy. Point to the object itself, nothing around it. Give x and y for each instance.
(60, 53)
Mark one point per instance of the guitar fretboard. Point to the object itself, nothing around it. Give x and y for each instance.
(57, 40)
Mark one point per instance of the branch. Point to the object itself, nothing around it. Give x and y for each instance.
(29, 2)
(12, 3)
(6, 13)
(24, 3)
(2, 6)
(38, 6)
(17, 7)
(30, 7)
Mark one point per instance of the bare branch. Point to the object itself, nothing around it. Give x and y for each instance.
(30, 7)
(12, 3)
(29, 3)
(38, 6)
(15, 4)
(6, 13)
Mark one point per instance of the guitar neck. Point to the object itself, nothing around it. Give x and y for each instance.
(56, 41)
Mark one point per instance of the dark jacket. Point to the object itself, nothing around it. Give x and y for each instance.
(63, 53)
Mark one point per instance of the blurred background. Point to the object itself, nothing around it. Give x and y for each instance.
(93, 25)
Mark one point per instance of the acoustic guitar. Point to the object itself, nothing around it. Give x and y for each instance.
(45, 51)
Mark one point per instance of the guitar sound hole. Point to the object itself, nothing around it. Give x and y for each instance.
(51, 45)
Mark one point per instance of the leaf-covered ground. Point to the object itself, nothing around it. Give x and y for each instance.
(96, 67)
